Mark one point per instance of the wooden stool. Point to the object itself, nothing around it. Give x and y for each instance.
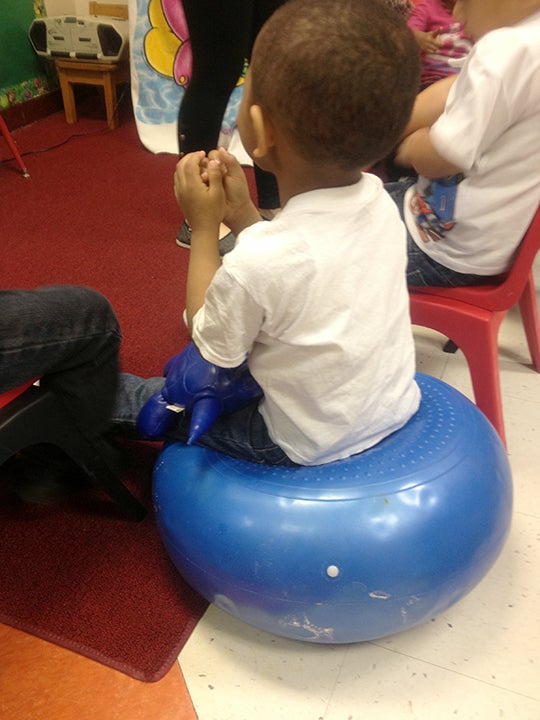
(107, 75)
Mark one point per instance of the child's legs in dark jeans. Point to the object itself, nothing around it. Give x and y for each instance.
(242, 435)
(70, 338)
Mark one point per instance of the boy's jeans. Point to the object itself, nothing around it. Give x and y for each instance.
(242, 434)
(69, 337)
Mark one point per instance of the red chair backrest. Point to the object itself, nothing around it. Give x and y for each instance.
(506, 294)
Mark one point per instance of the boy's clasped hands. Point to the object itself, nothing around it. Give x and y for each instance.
(212, 189)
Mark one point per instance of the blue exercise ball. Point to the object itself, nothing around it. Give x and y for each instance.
(354, 550)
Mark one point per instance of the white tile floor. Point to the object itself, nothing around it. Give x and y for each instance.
(481, 659)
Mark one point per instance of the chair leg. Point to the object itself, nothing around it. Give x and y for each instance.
(482, 355)
(476, 335)
(68, 97)
(13, 147)
(450, 347)
(35, 417)
(109, 93)
(529, 316)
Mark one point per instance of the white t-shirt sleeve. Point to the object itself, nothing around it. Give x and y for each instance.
(478, 110)
(225, 328)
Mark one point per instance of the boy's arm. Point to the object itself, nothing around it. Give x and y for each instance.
(204, 262)
(429, 105)
(199, 191)
(416, 149)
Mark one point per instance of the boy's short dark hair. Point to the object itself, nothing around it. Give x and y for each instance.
(338, 76)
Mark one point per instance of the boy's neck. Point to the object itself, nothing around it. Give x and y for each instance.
(290, 187)
(296, 176)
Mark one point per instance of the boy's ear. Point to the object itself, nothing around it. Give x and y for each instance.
(263, 132)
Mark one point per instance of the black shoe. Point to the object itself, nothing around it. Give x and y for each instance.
(183, 239)
(44, 474)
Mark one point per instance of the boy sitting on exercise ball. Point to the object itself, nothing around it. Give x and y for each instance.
(316, 299)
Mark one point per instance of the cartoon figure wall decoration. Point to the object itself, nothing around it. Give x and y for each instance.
(168, 39)
(161, 65)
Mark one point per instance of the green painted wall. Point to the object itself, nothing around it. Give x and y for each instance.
(23, 74)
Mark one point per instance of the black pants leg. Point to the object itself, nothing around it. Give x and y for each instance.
(69, 336)
(222, 34)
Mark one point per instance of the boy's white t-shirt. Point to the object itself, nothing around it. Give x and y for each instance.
(318, 299)
(490, 129)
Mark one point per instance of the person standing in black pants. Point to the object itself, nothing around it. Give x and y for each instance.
(222, 34)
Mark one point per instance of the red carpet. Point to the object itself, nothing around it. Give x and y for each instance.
(80, 576)
(97, 210)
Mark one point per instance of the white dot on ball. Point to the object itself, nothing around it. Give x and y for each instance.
(332, 571)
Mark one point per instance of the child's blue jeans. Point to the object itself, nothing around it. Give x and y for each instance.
(242, 434)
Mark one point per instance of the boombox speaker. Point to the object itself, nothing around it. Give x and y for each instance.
(80, 38)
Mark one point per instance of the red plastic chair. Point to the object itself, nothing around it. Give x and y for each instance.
(471, 317)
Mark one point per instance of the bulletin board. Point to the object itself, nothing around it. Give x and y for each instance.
(23, 74)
